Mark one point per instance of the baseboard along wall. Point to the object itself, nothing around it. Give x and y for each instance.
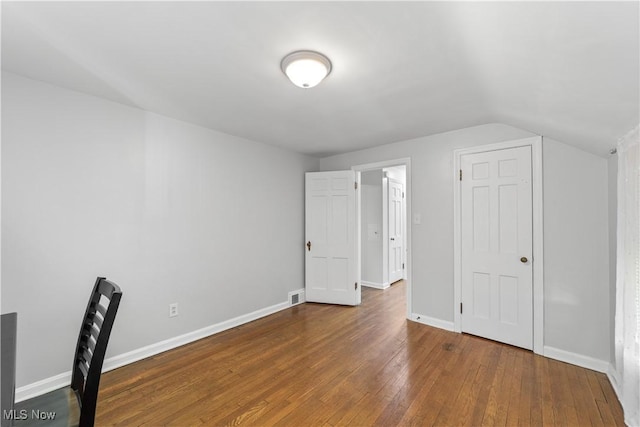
(375, 285)
(577, 359)
(432, 321)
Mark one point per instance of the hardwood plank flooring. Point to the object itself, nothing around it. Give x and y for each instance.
(324, 365)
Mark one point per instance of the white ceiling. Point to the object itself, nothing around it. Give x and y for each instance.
(401, 70)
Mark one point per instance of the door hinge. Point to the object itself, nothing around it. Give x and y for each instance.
(403, 265)
(460, 308)
(355, 285)
(460, 174)
(403, 194)
(355, 185)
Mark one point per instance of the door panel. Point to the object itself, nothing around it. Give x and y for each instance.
(330, 254)
(496, 216)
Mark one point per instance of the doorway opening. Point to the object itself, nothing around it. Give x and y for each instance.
(383, 212)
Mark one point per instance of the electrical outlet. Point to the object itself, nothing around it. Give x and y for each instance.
(173, 309)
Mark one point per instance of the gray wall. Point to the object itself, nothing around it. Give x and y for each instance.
(170, 211)
(577, 288)
(576, 251)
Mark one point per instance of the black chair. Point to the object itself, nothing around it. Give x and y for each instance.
(76, 404)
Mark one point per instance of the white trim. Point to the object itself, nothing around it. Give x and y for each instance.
(537, 216)
(576, 359)
(406, 161)
(43, 386)
(358, 237)
(62, 380)
(432, 321)
(385, 228)
(538, 245)
(375, 285)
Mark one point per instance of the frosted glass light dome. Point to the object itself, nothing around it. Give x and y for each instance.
(306, 68)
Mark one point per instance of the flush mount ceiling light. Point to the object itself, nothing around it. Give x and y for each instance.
(306, 68)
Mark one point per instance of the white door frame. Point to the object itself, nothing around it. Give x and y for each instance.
(538, 262)
(406, 161)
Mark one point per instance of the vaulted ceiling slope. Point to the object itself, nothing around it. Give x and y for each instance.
(566, 70)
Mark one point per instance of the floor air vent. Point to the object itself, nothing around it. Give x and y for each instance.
(296, 297)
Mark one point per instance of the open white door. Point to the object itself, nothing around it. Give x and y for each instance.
(396, 237)
(496, 223)
(331, 270)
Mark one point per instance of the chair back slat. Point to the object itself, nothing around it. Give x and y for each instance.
(94, 335)
(87, 343)
(94, 332)
(82, 365)
(101, 309)
(97, 321)
(86, 356)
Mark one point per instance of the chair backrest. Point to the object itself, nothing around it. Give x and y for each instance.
(92, 346)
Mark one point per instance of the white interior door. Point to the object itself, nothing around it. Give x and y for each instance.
(496, 224)
(331, 270)
(396, 237)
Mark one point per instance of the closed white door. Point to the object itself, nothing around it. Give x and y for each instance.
(331, 274)
(496, 216)
(396, 237)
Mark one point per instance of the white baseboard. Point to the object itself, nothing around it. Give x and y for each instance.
(43, 386)
(64, 379)
(576, 359)
(375, 285)
(432, 321)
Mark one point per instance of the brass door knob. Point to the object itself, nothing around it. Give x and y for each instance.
(523, 259)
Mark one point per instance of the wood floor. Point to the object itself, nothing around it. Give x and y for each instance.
(326, 365)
